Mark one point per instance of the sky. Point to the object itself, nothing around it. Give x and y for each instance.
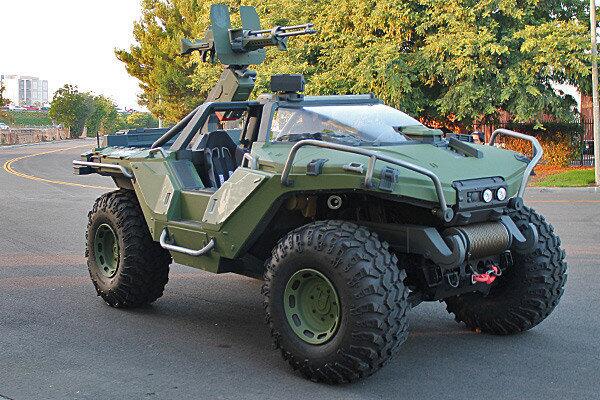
(70, 41)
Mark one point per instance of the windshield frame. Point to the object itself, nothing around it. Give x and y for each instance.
(272, 108)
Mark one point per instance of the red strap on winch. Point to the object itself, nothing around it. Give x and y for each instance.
(487, 277)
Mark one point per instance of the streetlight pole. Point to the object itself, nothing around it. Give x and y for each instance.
(596, 106)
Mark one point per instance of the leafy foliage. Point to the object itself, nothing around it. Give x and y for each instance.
(165, 77)
(78, 111)
(559, 150)
(83, 110)
(136, 120)
(448, 61)
(560, 141)
(103, 116)
(4, 116)
(68, 108)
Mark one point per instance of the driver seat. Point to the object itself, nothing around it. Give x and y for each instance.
(219, 163)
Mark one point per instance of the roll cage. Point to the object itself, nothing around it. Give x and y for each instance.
(265, 108)
(187, 128)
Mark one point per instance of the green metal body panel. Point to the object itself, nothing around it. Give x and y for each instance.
(447, 165)
(231, 196)
(231, 213)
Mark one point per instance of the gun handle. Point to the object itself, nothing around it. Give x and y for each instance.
(187, 47)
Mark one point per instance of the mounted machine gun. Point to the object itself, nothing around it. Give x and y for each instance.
(237, 48)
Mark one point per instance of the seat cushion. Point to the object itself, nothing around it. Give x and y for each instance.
(219, 152)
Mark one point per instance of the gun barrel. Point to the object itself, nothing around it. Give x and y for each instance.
(302, 26)
(297, 33)
(306, 29)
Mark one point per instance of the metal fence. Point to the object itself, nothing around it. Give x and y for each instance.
(586, 144)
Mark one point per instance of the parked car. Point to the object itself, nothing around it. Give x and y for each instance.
(3, 126)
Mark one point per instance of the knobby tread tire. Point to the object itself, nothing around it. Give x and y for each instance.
(373, 300)
(526, 294)
(143, 268)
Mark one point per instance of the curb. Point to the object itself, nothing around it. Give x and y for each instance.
(588, 189)
(15, 146)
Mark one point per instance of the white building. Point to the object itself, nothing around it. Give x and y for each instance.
(25, 90)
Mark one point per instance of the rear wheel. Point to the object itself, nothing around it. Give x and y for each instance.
(526, 294)
(335, 301)
(127, 267)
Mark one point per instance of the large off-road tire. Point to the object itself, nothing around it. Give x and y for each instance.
(526, 293)
(127, 267)
(356, 318)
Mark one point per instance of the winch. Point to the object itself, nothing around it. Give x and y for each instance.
(483, 239)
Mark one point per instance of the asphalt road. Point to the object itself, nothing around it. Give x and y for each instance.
(206, 337)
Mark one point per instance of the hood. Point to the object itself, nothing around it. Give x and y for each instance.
(448, 164)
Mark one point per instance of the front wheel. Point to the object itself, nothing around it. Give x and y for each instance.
(335, 301)
(127, 267)
(526, 294)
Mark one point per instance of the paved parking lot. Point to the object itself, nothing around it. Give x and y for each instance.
(206, 337)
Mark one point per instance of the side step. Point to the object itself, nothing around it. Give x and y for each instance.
(164, 238)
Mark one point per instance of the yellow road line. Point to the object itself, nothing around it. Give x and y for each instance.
(8, 167)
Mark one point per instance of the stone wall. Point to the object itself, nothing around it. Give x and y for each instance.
(31, 135)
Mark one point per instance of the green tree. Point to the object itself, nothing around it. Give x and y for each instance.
(136, 120)
(4, 116)
(444, 60)
(477, 57)
(83, 110)
(165, 78)
(103, 115)
(69, 109)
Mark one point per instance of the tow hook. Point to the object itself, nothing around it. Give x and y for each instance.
(487, 277)
(453, 279)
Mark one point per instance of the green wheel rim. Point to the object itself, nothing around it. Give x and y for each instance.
(312, 306)
(106, 250)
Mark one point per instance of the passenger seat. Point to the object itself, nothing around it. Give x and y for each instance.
(219, 149)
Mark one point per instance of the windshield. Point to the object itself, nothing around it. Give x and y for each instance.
(366, 124)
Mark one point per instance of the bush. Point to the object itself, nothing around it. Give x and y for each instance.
(560, 142)
(136, 120)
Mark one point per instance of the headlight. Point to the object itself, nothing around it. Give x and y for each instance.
(487, 195)
(501, 194)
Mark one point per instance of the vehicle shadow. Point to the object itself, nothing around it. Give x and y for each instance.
(440, 358)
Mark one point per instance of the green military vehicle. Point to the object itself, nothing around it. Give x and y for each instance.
(352, 212)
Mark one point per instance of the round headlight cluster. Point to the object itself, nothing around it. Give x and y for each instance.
(487, 195)
(501, 194)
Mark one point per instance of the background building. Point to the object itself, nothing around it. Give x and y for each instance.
(25, 90)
